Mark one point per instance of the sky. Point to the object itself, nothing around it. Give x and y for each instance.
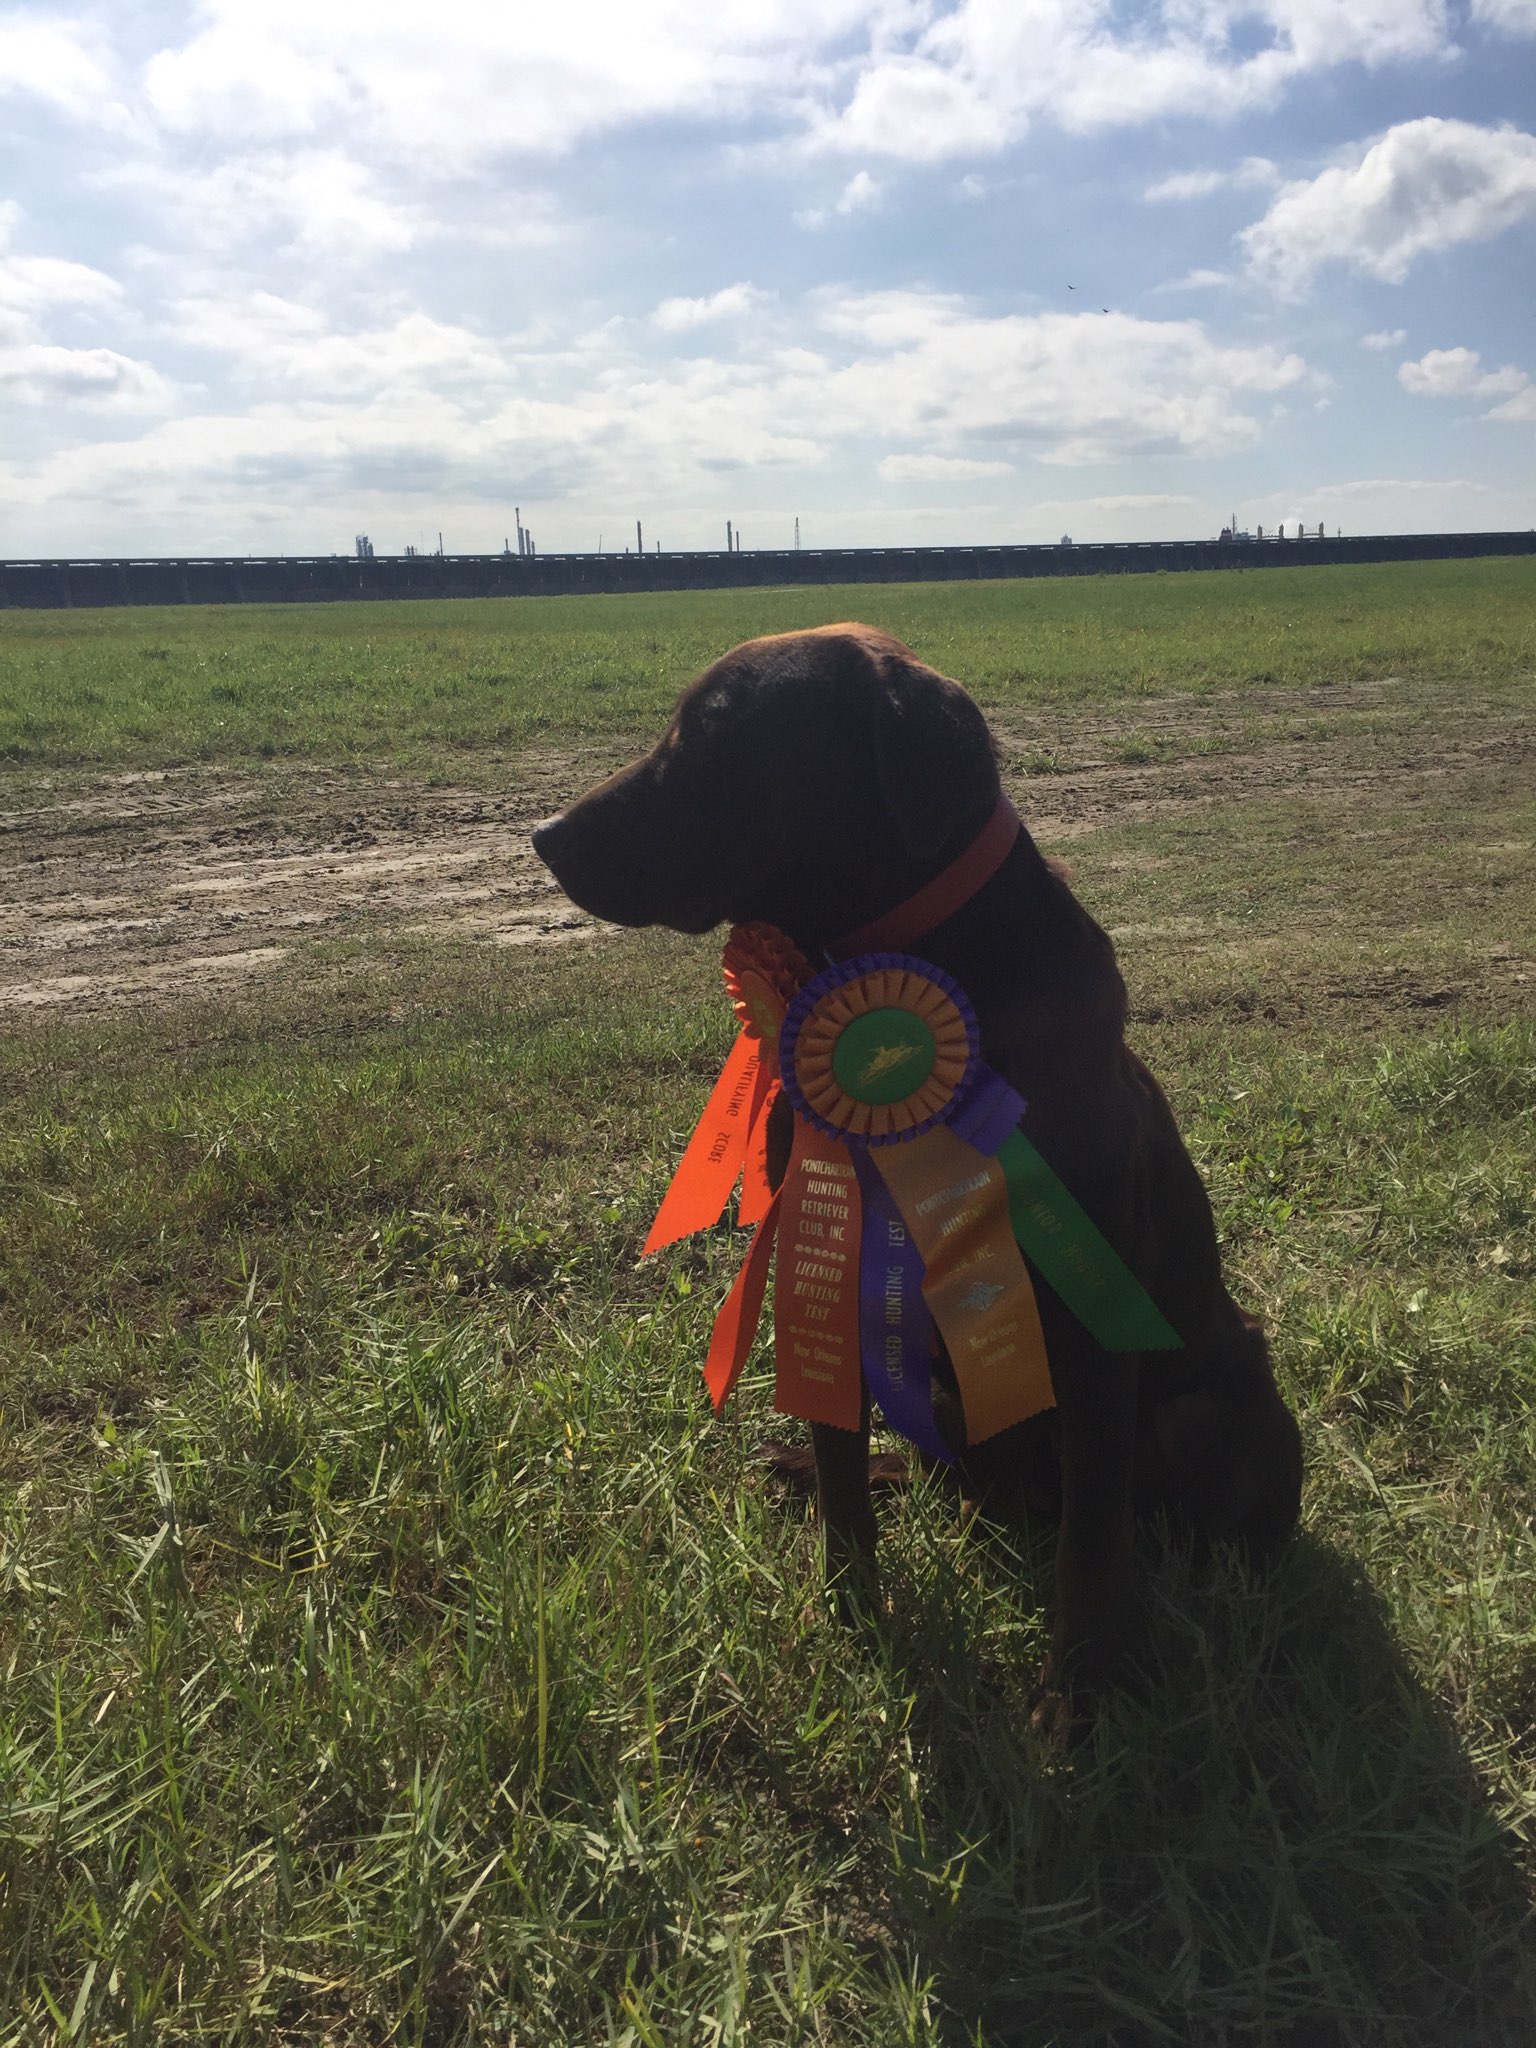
(274, 273)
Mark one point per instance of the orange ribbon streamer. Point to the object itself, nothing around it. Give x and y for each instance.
(816, 1301)
(736, 1324)
(756, 1194)
(710, 1166)
(954, 1202)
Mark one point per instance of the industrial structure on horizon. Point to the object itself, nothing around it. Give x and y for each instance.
(525, 548)
(51, 584)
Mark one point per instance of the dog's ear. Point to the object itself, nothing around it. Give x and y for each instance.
(934, 755)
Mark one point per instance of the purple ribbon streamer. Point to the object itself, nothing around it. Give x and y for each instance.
(895, 1327)
(990, 1113)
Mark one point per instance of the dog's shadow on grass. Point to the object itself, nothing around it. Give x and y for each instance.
(1279, 1836)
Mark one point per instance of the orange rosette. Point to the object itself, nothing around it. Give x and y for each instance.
(880, 1049)
(764, 971)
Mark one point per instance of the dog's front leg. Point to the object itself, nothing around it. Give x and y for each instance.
(847, 1513)
(1098, 1604)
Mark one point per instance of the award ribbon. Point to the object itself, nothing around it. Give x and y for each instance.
(711, 1164)
(882, 1052)
(816, 1298)
(909, 1202)
(1073, 1254)
(762, 971)
(895, 1322)
(975, 1281)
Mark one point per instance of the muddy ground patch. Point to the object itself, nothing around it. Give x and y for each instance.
(137, 889)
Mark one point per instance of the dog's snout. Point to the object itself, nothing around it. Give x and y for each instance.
(557, 842)
(546, 838)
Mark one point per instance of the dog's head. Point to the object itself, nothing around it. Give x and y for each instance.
(812, 779)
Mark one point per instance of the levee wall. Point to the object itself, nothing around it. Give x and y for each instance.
(310, 579)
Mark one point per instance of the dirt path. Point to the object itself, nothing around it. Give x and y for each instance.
(141, 888)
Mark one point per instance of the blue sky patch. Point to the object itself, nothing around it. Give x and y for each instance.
(272, 276)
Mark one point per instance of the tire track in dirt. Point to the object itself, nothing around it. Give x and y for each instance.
(144, 888)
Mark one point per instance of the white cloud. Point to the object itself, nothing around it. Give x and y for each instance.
(480, 79)
(1253, 170)
(923, 111)
(256, 324)
(33, 285)
(54, 60)
(1509, 17)
(974, 77)
(37, 370)
(941, 392)
(274, 338)
(1065, 388)
(1458, 373)
(1371, 488)
(859, 195)
(1397, 504)
(732, 302)
(99, 379)
(1386, 337)
(322, 203)
(1198, 281)
(1424, 186)
(1140, 501)
(939, 469)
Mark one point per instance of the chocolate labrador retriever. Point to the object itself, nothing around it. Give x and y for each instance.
(815, 780)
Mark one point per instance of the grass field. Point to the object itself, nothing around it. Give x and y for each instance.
(394, 1648)
(429, 682)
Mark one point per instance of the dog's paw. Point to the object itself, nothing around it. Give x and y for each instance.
(852, 1585)
(857, 1605)
(794, 1465)
(1055, 1719)
(865, 1613)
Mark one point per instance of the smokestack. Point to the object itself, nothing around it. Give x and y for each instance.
(729, 543)
(639, 543)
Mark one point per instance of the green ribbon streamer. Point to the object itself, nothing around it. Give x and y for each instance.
(1056, 1232)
